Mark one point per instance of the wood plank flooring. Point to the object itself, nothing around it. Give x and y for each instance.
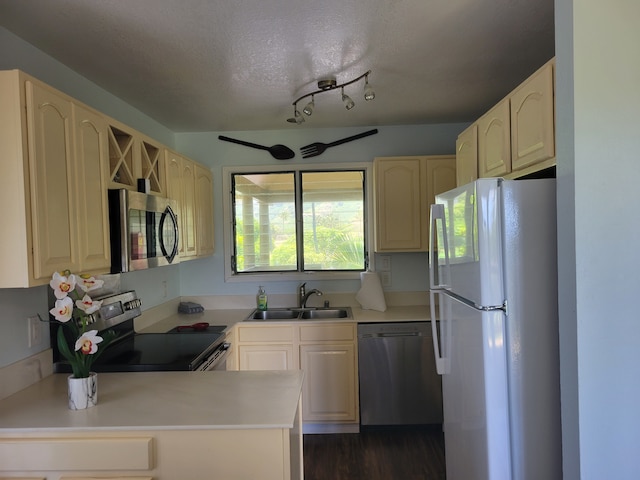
(415, 454)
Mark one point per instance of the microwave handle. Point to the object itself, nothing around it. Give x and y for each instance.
(174, 223)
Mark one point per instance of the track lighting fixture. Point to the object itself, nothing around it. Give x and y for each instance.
(325, 85)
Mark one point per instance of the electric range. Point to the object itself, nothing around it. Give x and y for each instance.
(176, 350)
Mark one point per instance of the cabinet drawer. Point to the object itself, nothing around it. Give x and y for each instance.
(47, 454)
(265, 334)
(324, 332)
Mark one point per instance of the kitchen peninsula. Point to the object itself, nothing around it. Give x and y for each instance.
(160, 425)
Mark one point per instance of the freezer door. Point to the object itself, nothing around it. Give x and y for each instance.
(466, 243)
(474, 390)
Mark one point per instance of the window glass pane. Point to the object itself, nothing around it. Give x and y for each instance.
(265, 222)
(333, 220)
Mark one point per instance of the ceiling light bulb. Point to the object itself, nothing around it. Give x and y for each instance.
(369, 94)
(308, 110)
(348, 103)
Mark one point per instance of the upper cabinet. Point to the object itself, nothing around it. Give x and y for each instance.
(191, 185)
(517, 136)
(532, 120)
(467, 156)
(53, 176)
(405, 187)
(134, 156)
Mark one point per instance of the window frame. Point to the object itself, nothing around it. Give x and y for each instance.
(228, 230)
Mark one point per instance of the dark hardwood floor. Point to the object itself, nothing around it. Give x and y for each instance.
(415, 454)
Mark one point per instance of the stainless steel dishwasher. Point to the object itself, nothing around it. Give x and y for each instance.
(397, 374)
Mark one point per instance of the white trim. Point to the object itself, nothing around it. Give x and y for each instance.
(227, 226)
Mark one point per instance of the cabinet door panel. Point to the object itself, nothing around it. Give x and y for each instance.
(329, 390)
(532, 120)
(189, 208)
(467, 156)
(52, 186)
(92, 209)
(204, 211)
(494, 141)
(398, 205)
(262, 357)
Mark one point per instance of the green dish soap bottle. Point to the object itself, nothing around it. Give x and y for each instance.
(262, 298)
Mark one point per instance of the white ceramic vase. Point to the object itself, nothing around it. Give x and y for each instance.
(83, 392)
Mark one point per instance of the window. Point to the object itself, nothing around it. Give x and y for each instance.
(298, 221)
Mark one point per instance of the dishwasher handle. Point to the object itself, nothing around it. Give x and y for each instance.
(390, 334)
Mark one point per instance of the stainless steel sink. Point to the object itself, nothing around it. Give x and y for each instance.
(274, 314)
(300, 314)
(325, 313)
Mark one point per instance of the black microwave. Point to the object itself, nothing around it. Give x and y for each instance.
(143, 229)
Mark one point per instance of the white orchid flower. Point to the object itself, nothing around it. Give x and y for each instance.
(87, 305)
(88, 283)
(63, 309)
(88, 342)
(62, 285)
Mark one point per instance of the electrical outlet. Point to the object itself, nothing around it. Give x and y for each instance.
(34, 331)
(164, 289)
(384, 263)
(385, 279)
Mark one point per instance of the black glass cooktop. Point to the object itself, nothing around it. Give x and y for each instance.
(145, 352)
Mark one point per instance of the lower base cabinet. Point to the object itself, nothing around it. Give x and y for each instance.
(327, 352)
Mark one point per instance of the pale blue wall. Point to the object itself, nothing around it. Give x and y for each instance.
(598, 100)
(204, 277)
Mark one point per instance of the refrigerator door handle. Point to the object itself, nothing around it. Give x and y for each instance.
(475, 306)
(442, 364)
(437, 213)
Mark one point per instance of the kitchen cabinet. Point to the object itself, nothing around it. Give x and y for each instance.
(517, 136)
(325, 351)
(134, 156)
(532, 120)
(53, 178)
(329, 359)
(204, 211)
(405, 188)
(467, 156)
(265, 347)
(494, 141)
(191, 185)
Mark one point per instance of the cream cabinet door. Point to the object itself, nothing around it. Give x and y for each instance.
(173, 169)
(532, 120)
(494, 141)
(329, 390)
(204, 210)
(439, 176)
(188, 209)
(467, 156)
(398, 204)
(53, 192)
(265, 357)
(91, 179)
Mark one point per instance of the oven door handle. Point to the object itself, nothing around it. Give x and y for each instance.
(218, 356)
(174, 224)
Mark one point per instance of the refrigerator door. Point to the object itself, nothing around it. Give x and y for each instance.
(466, 228)
(474, 390)
(466, 279)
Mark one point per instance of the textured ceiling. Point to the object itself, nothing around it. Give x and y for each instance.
(197, 65)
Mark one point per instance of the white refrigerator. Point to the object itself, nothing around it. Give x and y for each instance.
(493, 284)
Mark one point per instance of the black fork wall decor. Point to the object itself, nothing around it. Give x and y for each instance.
(315, 149)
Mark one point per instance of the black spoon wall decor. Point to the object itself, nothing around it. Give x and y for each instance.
(315, 149)
(279, 152)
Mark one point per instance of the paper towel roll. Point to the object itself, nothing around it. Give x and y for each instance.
(370, 296)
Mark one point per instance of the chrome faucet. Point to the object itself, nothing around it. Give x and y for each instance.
(303, 295)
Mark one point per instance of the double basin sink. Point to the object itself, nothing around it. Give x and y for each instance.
(326, 313)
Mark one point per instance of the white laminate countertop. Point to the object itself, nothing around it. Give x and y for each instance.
(413, 313)
(159, 401)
